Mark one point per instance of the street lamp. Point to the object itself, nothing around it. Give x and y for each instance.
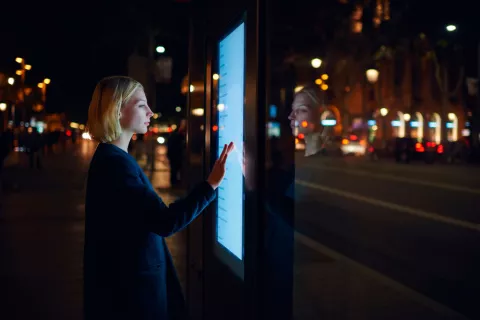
(160, 49)
(11, 81)
(3, 107)
(216, 76)
(451, 28)
(372, 75)
(43, 86)
(22, 73)
(316, 63)
(383, 113)
(406, 117)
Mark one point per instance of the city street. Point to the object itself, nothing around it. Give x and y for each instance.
(411, 230)
(374, 240)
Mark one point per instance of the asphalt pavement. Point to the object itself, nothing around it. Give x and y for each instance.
(413, 230)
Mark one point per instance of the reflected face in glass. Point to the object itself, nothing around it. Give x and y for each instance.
(301, 118)
(135, 116)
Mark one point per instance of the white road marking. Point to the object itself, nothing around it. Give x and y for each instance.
(392, 206)
(396, 178)
(416, 296)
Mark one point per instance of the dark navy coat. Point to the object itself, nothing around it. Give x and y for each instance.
(128, 270)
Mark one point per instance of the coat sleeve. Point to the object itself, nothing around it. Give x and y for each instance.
(138, 199)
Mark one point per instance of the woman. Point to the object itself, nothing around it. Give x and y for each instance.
(128, 270)
(305, 119)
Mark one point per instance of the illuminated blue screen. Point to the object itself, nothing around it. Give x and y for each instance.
(230, 124)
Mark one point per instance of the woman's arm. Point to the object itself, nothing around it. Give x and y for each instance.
(139, 200)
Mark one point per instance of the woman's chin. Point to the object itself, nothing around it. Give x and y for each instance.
(142, 130)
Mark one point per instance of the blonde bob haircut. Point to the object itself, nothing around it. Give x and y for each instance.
(110, 96)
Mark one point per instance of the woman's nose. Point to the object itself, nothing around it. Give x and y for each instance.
(149, 113)
(291, 116)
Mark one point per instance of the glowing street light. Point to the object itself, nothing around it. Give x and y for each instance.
(384, 112)
(178, 109)
(11, 81)
(372, 75)
(28, 67)
(160, 49)
(19, 72)
(3, 106)
(46, 81)
(451, 28)
(192, 88)
(19, 60)
(41, 85)
(406, 117)
(216, 76)
(316, 63)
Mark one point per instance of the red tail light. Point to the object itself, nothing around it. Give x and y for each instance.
(301, 136)
(419, 147)
(440, 148)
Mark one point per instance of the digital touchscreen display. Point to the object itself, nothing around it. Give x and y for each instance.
(231, 87)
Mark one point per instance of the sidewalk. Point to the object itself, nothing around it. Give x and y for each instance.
(41, 239)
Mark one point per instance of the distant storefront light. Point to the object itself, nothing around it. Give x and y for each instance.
(414, 124)
(198, 112)
(273, 111)
(329, 122)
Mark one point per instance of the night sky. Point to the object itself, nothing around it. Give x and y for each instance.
(75, 46)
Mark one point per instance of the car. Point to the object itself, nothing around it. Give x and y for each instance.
(349, 144)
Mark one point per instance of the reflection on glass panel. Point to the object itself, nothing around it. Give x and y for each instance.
(368, 95)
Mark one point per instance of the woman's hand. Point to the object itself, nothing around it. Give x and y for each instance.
(218, 171)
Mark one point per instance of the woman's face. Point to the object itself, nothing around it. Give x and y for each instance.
(135, 116)
(302, 117)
